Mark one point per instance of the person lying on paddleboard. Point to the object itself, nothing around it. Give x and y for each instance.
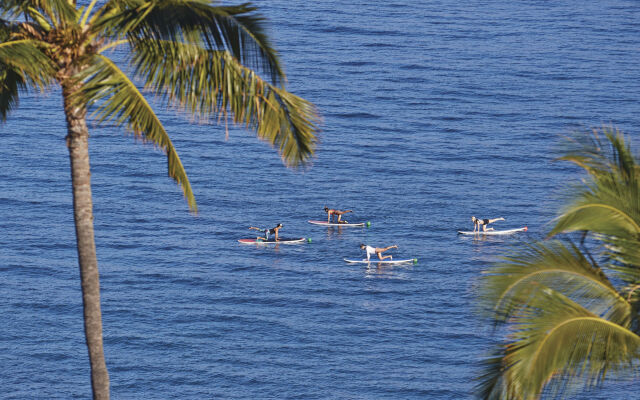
(339, 213)
(377, 250)
(267, 232)
(477, 222)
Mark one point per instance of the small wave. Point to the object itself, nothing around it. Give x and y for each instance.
(358, 115)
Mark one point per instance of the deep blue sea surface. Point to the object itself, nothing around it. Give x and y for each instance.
(433, 111)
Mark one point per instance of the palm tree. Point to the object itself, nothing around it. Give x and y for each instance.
(206, 58)
(570, 317)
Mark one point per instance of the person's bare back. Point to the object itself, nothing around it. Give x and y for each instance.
(330, 212)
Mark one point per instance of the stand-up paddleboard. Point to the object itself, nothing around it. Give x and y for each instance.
(325, 223)
(271, 241)
(505, 232)
(376, 261)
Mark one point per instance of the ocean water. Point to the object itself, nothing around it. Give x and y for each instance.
(433, 111)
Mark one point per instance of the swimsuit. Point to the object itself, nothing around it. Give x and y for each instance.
(267, 232)
(370, 250)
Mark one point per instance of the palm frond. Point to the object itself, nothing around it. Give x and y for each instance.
(597, 215)
(555, 337)
(586, 151)
(624, 256)
(567, 324)
(27, 57)
(493, 382)
(236, 29)
(596, 155)
(210, 83)
(555, 345)
(608, 205)
(10, 83)
(58, 12)
(119, 100)
(22, 64)
(515, 282)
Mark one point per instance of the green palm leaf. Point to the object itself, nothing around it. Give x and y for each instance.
(10, 83)
(598, 156)
(236, 29)
(493, 382)
(596, 215)
(514, 283)
(625, 256)
(119, 100)
(57, 11)
(556, 345)
(608, 205)
(556, 337)
(567, 325)
(214, 83)
(27, 58)
(22, 64)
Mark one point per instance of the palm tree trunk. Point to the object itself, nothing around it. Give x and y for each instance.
(78, 144)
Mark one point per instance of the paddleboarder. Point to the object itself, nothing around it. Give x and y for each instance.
(377, 250)
(267, 232)
(339, 213)
(477, 222)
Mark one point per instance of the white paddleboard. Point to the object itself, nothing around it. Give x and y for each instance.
(504, 232)
(271, 241)
(376, 261)
(325, 223)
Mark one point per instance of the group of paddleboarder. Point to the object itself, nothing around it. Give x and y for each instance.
(332, 214)
(369, 250)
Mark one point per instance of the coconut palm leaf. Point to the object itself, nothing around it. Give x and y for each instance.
(27, 58)
(493, 382)
(556, 345)
(22, 65)
(10, 83)
(599, 153)
(608, 204)
(625, 256)
(119, 100)
(556, 337)
(236, 29)
(215, 83)
(586, 151)
(514, 282)
(597, 215)
(568, 326)
(56, 11)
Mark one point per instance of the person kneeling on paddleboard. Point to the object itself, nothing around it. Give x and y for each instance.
(339, 213)
(377, 250)
(268, 232)
(484, 222)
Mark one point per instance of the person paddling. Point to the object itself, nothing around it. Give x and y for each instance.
(267, 232)
(477, 222)
(330, 212)
(377, 250)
